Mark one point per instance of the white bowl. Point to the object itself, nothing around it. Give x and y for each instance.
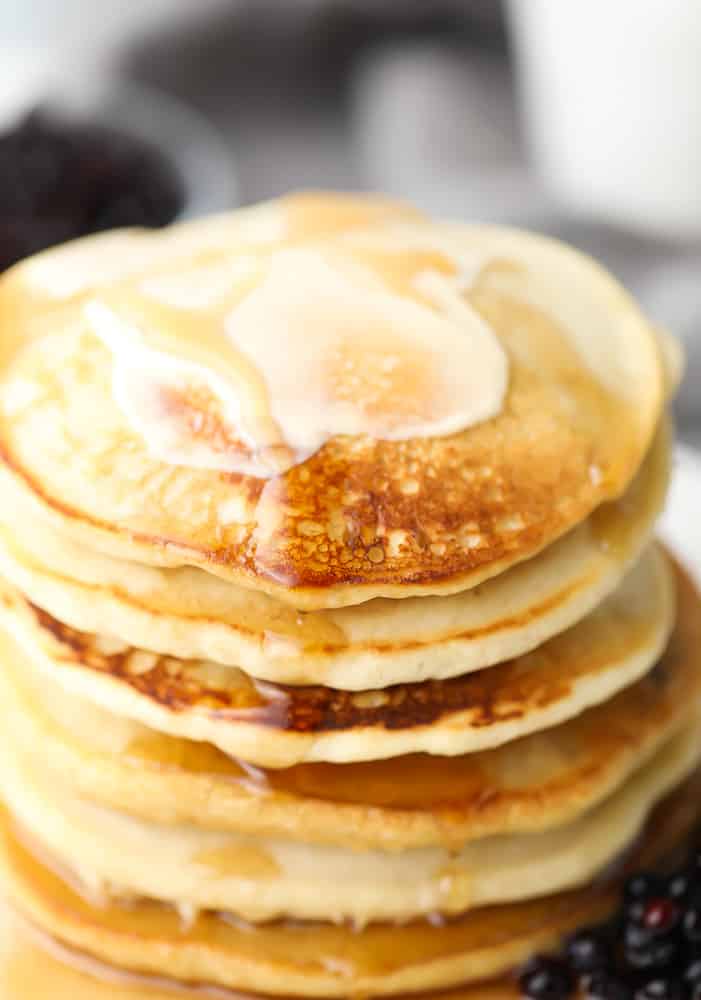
(32, 75)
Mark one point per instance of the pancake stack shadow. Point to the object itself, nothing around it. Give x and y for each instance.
(385, 716)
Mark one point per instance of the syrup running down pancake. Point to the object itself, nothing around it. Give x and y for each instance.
(194, 447)
(261, 879)
(337, 655)
(524, 786)
(279, 727)
(312, 959)
(192, 614)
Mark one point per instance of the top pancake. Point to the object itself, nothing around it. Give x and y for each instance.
(366, 514)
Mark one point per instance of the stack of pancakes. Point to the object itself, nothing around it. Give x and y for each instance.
(369, 690)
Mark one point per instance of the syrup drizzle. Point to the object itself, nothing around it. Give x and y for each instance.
(250, 363)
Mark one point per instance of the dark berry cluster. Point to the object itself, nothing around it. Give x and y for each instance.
(651, 950)
(61, 179)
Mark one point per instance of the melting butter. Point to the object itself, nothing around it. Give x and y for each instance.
(250, 363)
(107, 258)
(201, 287)
(187, 413)
(342, 354)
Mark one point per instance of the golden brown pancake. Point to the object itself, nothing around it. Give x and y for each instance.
(531, 784)
(241, 442)
(36, 965)
(280, 726)
(321, 959)
(192, 614)
(260, 879)
(363, 516)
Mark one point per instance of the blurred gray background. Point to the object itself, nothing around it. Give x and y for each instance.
(434, 101)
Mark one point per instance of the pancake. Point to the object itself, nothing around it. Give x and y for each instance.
(357, 314)
(191, 614)
(312, 959)
(36, 965)
(536, 783)
(260, 879)
(278, 726)
(103, 259)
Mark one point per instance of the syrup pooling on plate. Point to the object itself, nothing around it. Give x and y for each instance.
(250, 363)
(36, 964)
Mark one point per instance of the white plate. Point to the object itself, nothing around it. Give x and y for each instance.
(681, 522)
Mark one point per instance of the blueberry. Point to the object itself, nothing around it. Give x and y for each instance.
(653, 955)
(634, 912)
(547, 979)
(679, 886)
(587, 950)
(642, 886)
(692, 924)
(650, 936)
(660, 914)
(649, 950)
(606, 986)
(661, 989)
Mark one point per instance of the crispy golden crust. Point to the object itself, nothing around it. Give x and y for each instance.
(506, 692)
(483, 499)
(191, 614)
(537, 782)
(278, 726)
(361, 517)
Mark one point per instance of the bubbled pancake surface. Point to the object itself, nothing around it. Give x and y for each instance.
(319, 959)
(192, 614)
(280, 726)
(529, 785)
(362, 517)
